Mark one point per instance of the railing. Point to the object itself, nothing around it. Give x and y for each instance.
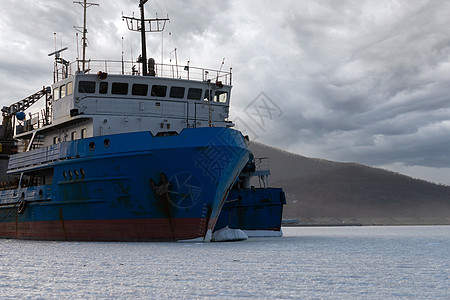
(262, 171)
(36, 121)
(134, 68)
(262, 164)
(40, 156)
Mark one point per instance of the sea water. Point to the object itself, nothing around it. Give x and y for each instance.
(410, 262)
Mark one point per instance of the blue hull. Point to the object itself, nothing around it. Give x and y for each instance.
(125, 187)
(253, 209)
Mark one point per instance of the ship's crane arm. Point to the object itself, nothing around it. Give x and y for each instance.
(25, 103)
(8, 112)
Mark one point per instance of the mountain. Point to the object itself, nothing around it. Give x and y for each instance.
(335, 192)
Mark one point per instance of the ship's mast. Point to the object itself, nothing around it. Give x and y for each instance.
(144, 48)
(84, 39)
(135, 24)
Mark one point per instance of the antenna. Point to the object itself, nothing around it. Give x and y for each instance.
(223, 61)
(153, 25)
(162, 50)
(59, 60)
(57, 52)
(122, 58)
(176, 59)
(84, 39)
(221, 65)
(78, 53)
(54, 37)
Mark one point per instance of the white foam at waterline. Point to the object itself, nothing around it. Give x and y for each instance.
(208, 236)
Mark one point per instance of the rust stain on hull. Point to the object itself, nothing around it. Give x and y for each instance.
(62, 223)
(126, 230)
(165, 204)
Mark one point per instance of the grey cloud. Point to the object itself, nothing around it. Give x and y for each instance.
(363, 81)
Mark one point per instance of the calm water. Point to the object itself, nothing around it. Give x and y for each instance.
(307, 263)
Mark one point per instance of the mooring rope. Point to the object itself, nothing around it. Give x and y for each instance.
(14, 206)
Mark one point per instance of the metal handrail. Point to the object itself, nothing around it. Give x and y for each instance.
(262, 163)
(133, 68)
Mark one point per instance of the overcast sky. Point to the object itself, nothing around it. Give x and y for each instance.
(351, 81)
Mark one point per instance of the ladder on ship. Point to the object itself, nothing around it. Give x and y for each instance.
(36, 141)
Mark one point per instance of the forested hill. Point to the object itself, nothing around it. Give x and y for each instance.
(318, 188)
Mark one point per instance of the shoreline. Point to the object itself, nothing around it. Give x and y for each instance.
(387, 221)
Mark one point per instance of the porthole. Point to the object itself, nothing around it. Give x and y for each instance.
(76, 172)
(65, 174)
(70, 174)
(106, 143)
(91, 146)
(82, 172)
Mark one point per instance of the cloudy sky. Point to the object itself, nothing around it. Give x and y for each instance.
(352, 81)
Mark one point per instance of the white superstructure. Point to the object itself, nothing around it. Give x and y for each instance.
(86, 105)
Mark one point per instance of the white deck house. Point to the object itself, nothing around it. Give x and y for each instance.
(86, 105)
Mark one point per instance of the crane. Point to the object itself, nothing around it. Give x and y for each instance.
(9, 111)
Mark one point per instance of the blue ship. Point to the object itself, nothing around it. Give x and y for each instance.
(257, 211)
(127, 156)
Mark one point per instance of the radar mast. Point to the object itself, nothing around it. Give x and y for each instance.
(135, 24)
(84, 39)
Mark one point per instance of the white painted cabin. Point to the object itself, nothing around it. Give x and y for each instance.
(86, 105)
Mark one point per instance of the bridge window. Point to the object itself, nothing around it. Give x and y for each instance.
(119, 88)
(177, 92)
(74, 135)
(221, 96)
(139, 89)
(62, 91)
(86, 87)
(159, 90)
(194, 94)
(83, 133)
(55, 94)
(69, 88)
(206, 96)
(103, 89)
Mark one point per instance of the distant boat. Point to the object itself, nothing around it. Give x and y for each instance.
(290, 222)
(119, 153)
(256, 211)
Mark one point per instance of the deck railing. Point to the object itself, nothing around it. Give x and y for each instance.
(262, 164)
(134, 68)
